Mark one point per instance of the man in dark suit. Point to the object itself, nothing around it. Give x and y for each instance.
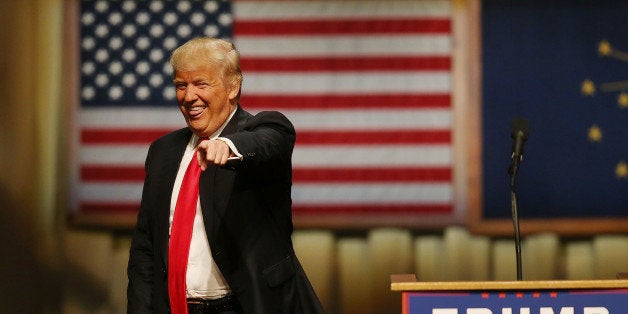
(240, 257)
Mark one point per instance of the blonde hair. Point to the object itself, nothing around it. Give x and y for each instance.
(203, 51)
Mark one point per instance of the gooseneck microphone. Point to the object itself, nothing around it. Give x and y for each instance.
(519, 130)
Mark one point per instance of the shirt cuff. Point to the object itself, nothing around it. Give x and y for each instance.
(231, 146)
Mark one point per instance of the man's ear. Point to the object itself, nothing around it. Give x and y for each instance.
(234, 90)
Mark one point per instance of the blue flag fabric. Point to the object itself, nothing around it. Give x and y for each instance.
(125, 47)
(563, 66)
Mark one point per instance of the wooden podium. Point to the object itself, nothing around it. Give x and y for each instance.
(512, 297)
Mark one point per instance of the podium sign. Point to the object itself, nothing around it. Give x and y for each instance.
(517, 297)
(519, 302)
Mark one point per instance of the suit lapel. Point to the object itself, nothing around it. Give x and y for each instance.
(217, 181)
(235, 123)
(169, 170)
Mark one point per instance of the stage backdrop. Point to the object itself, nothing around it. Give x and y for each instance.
(563, 66)
(366, 83)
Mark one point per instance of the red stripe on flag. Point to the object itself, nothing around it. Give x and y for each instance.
(379, 209)
(136, 174)
(337, 27)
(397, 63)
(383, 209)
(371, 175)
(101, 207)
(141, 136)
(375, 137)
(112, 173)
(365, 101)
(120, 135)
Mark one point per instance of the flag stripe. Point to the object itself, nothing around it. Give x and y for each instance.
(300, 175)
(366, 137)
(379, 156)
(365, 64)
(145, 136)
(347, 155)
(372, 175)
(378, 209)
(370, 119)
(380, 118)
(350, 193)
(347, 82)
(121, 136)
(333, 209)
(346, 46)
(354, 27)
(94, 207)
(115, 192)
(339, 10)
(108, 173)
(357, 101)
(368, 193)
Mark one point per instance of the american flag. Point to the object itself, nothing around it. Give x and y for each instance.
(367, 85)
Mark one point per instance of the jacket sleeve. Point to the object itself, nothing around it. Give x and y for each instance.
(266, 142)
(267, 137)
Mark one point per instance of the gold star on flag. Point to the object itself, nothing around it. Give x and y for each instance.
(604, 48)
(621, 170)
(595, 133)
(587, 88)
(622, 100)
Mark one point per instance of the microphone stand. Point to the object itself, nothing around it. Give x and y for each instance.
(515, 215)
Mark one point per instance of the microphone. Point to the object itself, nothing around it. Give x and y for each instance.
(519, 130)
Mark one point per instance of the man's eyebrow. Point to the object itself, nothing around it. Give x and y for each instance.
(194, 79)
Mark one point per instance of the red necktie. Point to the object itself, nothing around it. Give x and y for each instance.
(181, 235)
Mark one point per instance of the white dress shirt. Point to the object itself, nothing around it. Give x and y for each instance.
(203, 279)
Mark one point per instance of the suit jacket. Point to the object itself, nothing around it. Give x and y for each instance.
(246, 207)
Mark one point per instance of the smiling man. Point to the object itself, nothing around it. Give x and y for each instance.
(213, 232)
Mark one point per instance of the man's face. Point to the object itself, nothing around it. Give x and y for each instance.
(204, 98)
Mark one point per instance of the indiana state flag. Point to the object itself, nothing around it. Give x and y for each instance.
(563, 66)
